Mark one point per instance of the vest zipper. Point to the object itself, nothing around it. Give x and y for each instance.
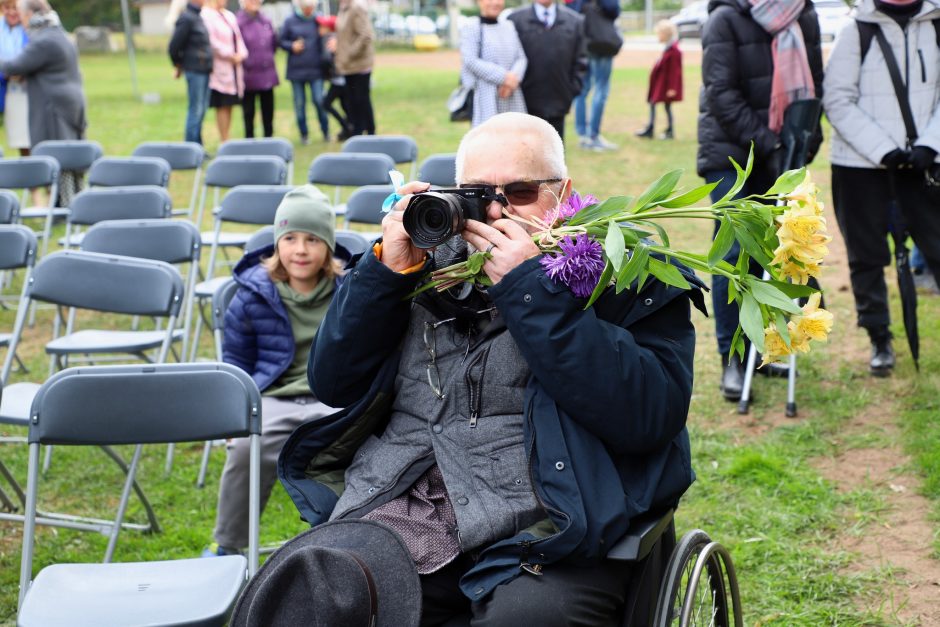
(475, 386)
(923, 69)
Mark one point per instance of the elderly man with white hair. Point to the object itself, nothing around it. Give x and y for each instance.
(507, 434)
(49, 63)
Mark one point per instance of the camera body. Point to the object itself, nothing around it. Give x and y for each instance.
(433, 217)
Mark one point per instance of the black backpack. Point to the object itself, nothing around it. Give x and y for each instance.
(866, 32)
(603, 38)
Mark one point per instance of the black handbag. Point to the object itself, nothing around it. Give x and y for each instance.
(603, 38)
(931, 174)
(460, 101)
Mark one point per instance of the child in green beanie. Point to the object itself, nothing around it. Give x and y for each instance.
(284, 292)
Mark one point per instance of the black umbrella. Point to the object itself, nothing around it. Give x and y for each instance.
(800, 121)
(905, 278)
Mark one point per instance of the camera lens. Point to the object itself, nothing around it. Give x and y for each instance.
(432, 218)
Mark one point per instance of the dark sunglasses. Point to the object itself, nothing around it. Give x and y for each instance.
(515, 193)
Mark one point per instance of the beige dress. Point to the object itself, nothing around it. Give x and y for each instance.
(16, 115)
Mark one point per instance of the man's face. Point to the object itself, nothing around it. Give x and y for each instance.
(498, 159)
(544, 3)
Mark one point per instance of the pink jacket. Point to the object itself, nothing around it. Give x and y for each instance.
(226, 40)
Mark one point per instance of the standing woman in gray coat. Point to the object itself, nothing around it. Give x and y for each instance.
(49, 63)
(493, 63)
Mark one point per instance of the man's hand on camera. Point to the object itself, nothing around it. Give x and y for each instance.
(507, 242)
(398, 253)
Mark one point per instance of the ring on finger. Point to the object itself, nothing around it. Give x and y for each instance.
(490, 248)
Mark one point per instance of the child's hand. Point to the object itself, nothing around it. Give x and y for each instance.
(670, 93)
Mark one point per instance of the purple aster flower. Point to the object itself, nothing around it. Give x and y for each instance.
(575, 203)
(579, 265)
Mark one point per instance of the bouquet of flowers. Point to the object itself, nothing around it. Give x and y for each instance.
(591, 245)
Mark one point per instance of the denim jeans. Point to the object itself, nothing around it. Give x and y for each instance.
(300, 106)
(197, 87)
(599, 75)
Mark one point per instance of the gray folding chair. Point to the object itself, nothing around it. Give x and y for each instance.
(439, 170)
(349, 169)
(104, 283)
(221, 298)
(125, 171)
(364, 206)
(260, 238)
(182, 156)
(75, 155)
(244, 204)
(261, 146)
(18, 246)
(228, 172)
(115, 405)
(353, 241)
(401, 148)
(96, 204)
(9, 207)
(29, 172)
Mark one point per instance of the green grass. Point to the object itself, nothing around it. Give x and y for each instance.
(757, 489)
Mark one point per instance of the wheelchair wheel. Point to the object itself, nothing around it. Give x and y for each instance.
(699, 587)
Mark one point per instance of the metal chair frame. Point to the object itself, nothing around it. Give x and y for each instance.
(180, 156)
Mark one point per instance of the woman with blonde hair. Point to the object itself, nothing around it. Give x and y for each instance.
(227, 80)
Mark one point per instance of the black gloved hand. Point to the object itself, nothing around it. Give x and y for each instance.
(922, 157)
(896, 159)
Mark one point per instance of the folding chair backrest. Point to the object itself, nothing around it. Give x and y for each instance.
(439, 170)
(120, 171)
(172, 241)
(108, 283)
(401, 148)
(232, 171)
(72, 154)
(252, 204)
(145, 404)
(365, 204)
(260, 238)
(180, 155)
(17, 246)
(143, 202)
(354, 243)
(350, 169)
(221, 299)
(268, 146)
(9, 206)
(28, 172)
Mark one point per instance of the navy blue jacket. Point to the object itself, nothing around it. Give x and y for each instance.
(306, 65)
(598, 454)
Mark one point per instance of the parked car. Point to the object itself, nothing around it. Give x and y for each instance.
(833, 16)
(691, 19)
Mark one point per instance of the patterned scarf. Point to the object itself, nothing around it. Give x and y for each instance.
(792, 79)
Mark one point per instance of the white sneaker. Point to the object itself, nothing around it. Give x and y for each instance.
(585, 142)
(600, 144)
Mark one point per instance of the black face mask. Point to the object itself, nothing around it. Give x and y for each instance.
(487, 20)
(900, 11)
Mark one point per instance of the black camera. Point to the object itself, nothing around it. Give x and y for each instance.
(433, 217)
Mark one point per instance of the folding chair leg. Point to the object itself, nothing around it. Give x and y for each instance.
(154, 525)
(204, 465)
(47, 459)
(8, 504)
(791, 388)
(122, 506)
(169, 459)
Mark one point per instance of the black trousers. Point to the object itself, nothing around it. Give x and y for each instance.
(563, 595)
(267, 111)
(559, 124)
(361, 116)
(867, 203)
(334, 94)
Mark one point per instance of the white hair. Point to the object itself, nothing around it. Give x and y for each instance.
(512, 125)
(174, 11)
(300, 4)
(40, 7)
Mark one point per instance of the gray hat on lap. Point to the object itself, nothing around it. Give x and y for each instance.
(349, 573)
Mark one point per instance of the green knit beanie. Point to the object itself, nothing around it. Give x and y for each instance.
(308, 210)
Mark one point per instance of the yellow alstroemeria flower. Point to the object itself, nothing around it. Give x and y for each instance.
(775, 349)
(805, 192)
(800, 224)
(815, 323)
(797, 273)
(806, 253)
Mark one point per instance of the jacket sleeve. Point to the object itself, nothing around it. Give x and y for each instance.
(32, 58)
(240, 46)
(364, 325)
(722, 93)
(472, 63)
(521, 62)
(179, 39)
(840, 100)
(362, 32)
(813, 40)
(673, 73)
(630, 386)
(930, 134)
(579, 65)
(239, 339)
(286, 38)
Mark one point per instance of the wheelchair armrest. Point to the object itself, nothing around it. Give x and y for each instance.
(644, 532)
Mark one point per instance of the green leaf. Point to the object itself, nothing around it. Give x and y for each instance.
(601, 285)
(751, 321)
(475, 262)
(690, 197)
(787, 182)
(793, 290)
(641, 278)
(667, 273)
(781, 323)
(631, 236)
(767, 294)
(614, 246)
(603, 211)
(632, 268)
(724, 239)
(751, 245)
(742, 175)
(663, 236)
(737, 343)
(659, 189)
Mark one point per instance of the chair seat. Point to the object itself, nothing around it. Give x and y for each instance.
(205, 289)
(75, 240)
(340, 209)
(199, 591)
(16, 403)
(5, 339)
(226, 238)
(42, 212)
(105, 341)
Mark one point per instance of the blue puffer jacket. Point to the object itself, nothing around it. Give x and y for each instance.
(599, 455)
(305, 66)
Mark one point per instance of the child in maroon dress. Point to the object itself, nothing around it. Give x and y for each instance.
(665, 79)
